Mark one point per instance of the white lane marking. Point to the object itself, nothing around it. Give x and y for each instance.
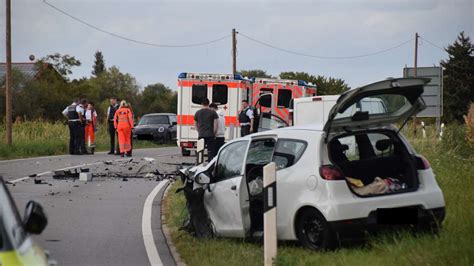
(147, 232)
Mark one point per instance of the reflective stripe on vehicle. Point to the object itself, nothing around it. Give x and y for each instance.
(189, 120)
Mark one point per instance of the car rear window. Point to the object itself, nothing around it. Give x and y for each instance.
(288, 152)
(219, 94)
(199, 93)
(284, 97)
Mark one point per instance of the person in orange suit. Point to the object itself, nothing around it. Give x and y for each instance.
(91, 127)
(123, 122)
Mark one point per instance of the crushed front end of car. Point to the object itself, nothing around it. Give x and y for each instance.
(197, 222)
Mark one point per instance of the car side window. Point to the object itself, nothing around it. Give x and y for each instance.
(172, 119)
(230, 161)
(269, 121)
(288, 152)
(261, 152)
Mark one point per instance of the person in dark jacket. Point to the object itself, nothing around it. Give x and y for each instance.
(114, 106)
(72, 115)
(246, 119)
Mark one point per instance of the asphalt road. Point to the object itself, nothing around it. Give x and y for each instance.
(98, 222)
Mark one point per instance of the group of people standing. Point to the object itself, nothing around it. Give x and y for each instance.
(210, 125)
(82, 122)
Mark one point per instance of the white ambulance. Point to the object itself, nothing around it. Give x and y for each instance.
(226, 90)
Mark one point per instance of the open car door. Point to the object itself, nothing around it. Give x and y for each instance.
(376, 105)
(227, 199)
(266, 120)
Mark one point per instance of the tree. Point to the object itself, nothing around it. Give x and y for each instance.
(324, 85)
(255, 73)
(458, 78)
(62, 63)
(99, 64)
(157, 98)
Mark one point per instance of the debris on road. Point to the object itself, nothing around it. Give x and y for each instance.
(145, 168)
(39, 181)
(85, 176)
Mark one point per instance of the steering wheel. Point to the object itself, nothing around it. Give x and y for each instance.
(251, 173)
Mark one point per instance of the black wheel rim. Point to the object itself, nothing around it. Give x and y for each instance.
(313, 231)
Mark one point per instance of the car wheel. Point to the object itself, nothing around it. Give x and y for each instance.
(313, 231)
(185, 152)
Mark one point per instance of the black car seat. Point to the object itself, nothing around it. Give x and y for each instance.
(337, 151)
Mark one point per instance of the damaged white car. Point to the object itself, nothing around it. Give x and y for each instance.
(356, 173)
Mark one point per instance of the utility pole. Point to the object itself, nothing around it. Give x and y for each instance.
(8, 78)
(234, 52)
(416, 54)
(415, 65)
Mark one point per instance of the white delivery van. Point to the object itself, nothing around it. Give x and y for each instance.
(315, 110)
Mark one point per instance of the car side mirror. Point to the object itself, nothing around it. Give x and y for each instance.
(174, 123)
(35, 220)
(202, 179)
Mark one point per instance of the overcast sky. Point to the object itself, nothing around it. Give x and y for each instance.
(326, 28)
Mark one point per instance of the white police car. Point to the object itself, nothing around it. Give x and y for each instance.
(326, 190)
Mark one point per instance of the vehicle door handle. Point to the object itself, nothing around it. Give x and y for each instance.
(234, 187)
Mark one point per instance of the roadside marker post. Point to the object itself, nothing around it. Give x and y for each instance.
(441, 131)
(200, 151)
(270, 214)
(423, 129)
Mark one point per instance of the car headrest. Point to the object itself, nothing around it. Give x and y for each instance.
(383, 144)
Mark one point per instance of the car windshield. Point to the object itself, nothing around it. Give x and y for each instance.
(154, 119)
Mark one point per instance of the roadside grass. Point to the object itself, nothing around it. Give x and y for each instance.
(452, 160)
(41, 138)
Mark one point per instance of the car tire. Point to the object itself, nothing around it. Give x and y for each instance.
(313, 231)
(185, 153)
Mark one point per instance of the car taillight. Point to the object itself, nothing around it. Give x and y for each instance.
(186, 144)
(422, 163)
(330, 172)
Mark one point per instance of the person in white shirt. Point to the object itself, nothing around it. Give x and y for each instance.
(220, 133)
(91, 127)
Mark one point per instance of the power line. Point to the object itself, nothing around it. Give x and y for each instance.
(432, 44)
(324, 57)
(134, 40)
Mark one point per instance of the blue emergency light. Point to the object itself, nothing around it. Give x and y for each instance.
(302, 83)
